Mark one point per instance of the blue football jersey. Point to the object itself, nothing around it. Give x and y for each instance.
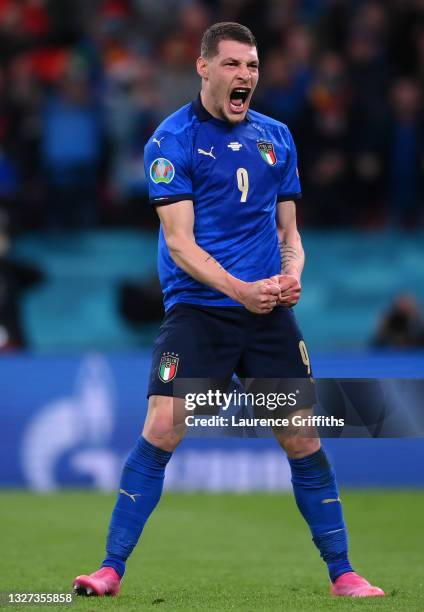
(235, 175)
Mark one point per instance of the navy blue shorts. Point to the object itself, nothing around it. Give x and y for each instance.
(210, 344)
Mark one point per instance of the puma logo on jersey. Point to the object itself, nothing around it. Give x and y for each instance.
(158, 141)
(208, 153)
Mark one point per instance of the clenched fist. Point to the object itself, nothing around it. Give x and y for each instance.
(261, 296)
(289, 289)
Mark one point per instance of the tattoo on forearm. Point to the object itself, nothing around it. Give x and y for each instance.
(210, 258)
(289, 255)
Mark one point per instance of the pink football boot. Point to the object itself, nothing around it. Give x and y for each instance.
(352, 585)
(103, 582)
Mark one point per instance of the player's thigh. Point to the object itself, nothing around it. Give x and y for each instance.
(276, 347)
(276, 360)
(196, 349)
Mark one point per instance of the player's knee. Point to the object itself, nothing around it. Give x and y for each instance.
(162, 433)
(162, 427)
(298, 447)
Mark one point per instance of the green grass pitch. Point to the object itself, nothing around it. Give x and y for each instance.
(214, 552)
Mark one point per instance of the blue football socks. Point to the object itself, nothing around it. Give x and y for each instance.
(139, 492)
(317, 497)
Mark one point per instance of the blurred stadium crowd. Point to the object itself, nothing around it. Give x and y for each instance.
(83, 84)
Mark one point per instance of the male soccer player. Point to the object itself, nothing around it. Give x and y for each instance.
(222, 177)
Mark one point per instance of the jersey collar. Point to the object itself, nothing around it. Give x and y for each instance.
(203, 115)
(200, 111)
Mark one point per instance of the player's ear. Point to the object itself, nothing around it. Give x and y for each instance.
(202, 67)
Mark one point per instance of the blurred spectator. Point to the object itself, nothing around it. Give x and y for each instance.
(178, 81)
(157, 17)
(71, 149)
(24, 98)
(404, 138)
(325, 144)
(402, 326)
(406, 21)
(286, 78)
(419, 55)
(332, 26)
(194, 19)
(131, 102)
(8, 190)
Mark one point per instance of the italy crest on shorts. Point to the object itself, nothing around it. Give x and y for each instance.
(162, 170)
(168, 367)
(266, 149)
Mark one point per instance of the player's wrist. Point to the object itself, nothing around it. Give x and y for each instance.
(238, 289)
(292, 272)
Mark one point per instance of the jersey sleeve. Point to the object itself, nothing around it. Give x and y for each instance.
(290, 184)
(167, 169)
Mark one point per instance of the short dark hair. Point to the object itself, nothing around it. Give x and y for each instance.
(225, 30)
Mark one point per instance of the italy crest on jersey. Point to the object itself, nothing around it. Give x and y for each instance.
(162, 170)
(168, 367)
(266, 149)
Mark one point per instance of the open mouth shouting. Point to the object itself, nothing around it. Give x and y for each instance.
(239, 98)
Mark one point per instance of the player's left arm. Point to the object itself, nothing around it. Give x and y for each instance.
(292, 254)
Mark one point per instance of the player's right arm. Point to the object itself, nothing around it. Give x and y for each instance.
(177, 222)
